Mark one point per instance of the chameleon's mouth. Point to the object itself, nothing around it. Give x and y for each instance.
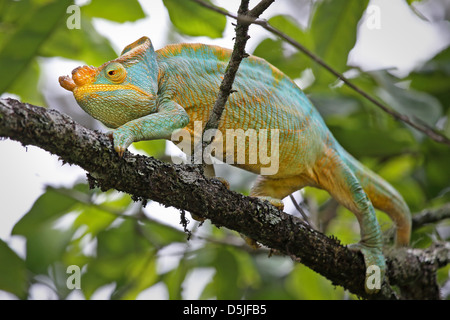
(80, 76)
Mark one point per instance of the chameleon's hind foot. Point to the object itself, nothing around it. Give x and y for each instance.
(251, 242)
(277, 203)
(197, 218)
(375, 266)
(121, 140)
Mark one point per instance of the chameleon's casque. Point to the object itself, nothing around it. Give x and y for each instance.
(146, 94)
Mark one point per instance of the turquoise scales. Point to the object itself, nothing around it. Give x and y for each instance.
(260, 88)
(147, 95)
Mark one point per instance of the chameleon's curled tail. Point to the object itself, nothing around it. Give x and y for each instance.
(383, 197)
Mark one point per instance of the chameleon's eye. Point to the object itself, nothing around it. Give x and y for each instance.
(116, 72)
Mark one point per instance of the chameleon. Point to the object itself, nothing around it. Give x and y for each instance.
(146, 94)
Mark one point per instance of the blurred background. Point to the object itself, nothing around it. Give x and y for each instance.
(397, 51)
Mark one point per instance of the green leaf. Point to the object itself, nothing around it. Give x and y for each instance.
(141, 274)
(174, 280)
(47, 208)
(154, 148)
(440, 61)
(12, 15)
(116, 241)
(273, 52)
(399, 173)
(26, 85)
(333, 29)
(22, 43)
(409, 102)
(334, 104)
(85, 44)
(289, 26)
(13, 273)
(46, 246)
(95, 218)
(102, 271)
(226, 276)
(194, 20)
(124, 257)
(114, 10)
(446, 130)
(369, 141)
(433, 77)
(305, 284)
(160, 234)
(436, 168)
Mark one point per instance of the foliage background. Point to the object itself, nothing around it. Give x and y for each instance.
(127, 251)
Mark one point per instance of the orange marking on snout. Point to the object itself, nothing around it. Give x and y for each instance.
(84, 75)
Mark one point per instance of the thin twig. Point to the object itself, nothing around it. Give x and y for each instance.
(430, 132)
(233, 65)
(431, 216)
(300, 209)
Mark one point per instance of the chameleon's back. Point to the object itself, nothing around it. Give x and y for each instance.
(265, 98)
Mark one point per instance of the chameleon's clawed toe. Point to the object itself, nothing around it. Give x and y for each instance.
(251, 242)
(120, 151)
(375, 266)
(224, 182)
(197, 218)
(277, 203)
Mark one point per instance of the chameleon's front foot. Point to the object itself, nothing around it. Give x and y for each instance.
(121, 140)
(375, 266)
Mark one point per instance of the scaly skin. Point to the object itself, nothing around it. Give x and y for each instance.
(147, 95)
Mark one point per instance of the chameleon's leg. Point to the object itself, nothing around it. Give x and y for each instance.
(273, 190)
(395, 207)
(389, 201)
(337, 178)
(159, 125)
(383, 197)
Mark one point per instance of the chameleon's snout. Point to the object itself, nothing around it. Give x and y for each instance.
(80, 77)
(67, 83)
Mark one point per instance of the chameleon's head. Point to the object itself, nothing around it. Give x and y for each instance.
(120, 90)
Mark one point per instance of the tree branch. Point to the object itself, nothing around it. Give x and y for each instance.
(430, 132)
(431, 216)
(185, 188)
(237, 55)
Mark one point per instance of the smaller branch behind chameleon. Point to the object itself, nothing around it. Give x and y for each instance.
(430, 132)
